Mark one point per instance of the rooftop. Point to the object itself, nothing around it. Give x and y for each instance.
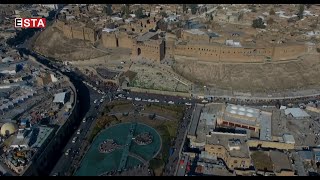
(59, 98)
(195, 31)
(265, 126)
(296, 112)
(226, 139)
(195, 120)
(146, 36)
(280, 161)
(306, 155)
(243, 111)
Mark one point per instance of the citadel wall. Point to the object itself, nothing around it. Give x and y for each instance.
(205, 51)
(125, 40)
(220, 53)
(109, 40)
(153, 49)
(76, 32)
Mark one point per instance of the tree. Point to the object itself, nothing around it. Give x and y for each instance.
(163, 14)
(108, 9)
(184, 8)
(211, 17)
(125, 10)
(301, 10)
(258, 23)
(272, 12)
(139, 13)
(193, 8)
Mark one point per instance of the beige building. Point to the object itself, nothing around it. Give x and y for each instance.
(232, 148)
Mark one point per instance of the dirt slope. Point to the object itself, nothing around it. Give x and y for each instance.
(53, 43)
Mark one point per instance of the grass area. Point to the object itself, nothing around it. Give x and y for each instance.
(123, 108)
(167, 131)
(261, 161)
(169, 111)
(101, 123)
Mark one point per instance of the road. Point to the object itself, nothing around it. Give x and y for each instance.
(77, 148)
(171, 165)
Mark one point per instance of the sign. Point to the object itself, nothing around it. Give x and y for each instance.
(30, 23)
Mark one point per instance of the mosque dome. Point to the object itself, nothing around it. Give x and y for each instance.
(8, 129)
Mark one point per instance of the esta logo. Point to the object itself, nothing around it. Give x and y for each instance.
(30, 23)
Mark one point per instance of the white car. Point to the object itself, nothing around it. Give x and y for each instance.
(79, 131)
(150, 100)
(84, 120)
(156, 100)
(188, 104)
(170, 102)
(101, 100)
(204, 101)
(67, 152)
(137, 99)
(95, 101)
(129, 98)
(144, 100)
(74, 139)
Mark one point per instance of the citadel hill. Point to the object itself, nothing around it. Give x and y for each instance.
(211, 33)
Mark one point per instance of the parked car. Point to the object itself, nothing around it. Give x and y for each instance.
(67, 152)
(74, 139)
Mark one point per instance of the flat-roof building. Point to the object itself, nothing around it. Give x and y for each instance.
(240, 116)
(296, 113)
(232, 148)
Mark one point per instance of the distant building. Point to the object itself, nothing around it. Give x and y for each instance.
(289, 139)
(60, 98)
(296, 113)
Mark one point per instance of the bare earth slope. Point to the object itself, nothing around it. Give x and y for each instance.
(53, 43)
(300, 74)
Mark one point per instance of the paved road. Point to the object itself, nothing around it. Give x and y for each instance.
(171, 165)
(62, 167)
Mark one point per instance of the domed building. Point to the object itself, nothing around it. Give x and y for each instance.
(8, 129)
